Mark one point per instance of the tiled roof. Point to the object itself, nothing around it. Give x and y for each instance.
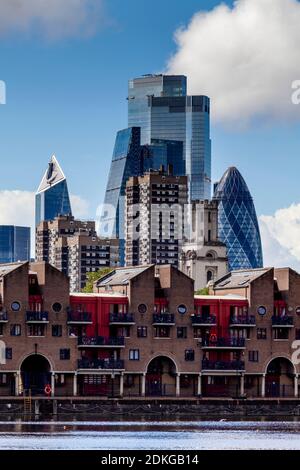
(239, 279)
(121, 276)
(7, 268)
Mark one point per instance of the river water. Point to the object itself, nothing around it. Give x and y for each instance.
(150, 434)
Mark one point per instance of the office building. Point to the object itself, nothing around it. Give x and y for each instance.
(52, 197)
(14, 243)
(238, 224)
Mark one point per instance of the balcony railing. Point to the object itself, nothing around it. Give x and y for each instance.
(282, 321)
(3, 317)
(224, 343)
(163, 318)
(203, 319)
(243, 320)
(121, 318)
(79, 317)
(100, 364)
(100, 341)
(37, 317)
(223, 365)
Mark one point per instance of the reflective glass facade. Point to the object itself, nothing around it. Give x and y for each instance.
(160, 106)
(238, 225)
(52, 202)
(14, 244)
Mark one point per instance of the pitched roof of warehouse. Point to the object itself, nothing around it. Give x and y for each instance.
(240, 279)
(9, 267)
(121, 276)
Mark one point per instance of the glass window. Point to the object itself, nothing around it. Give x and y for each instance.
(189, 355)
(56, 330)
(134, 354)
(142, 332)
(15, 330)
(64, 354)
(253, 356)
(182, 332)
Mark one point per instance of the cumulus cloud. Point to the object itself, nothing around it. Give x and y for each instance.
(245, 58)
(53, 18)
(281, 237)
(17, 208)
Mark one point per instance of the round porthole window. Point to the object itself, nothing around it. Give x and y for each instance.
(261, 310)
(57, 307)
(182, 309)
(142, 308)
(15, 306)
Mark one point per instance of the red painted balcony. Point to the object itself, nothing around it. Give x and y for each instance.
(284, 321)
(242, 321)
(37, 317)
(203, 320)
(224, 343)
(121, 319)
(79, 318)
(101, 342)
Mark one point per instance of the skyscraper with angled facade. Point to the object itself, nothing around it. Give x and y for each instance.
(14, 244)
(160, 106)
(238, 225)
(52, 197)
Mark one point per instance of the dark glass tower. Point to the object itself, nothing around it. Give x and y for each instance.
(238, 225)
(14, 244)
(126, 162)
(159, 105)
(52, 197)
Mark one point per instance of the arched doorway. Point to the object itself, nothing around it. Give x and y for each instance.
(35, 374)
(161, 377)
(280, 378)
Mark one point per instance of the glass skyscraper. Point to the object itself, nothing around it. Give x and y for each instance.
(238, 225)
(159, 105)
(52, 197)
(14, 244)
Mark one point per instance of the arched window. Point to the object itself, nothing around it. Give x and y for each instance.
(209, 276)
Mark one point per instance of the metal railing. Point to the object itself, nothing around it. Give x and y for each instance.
(163, 318)
(79, 317)
(3, 316)
(36, 316)
(242, 320)
(223, 365)
(225, 342)
(121, 318)
(100, 341)
(204, 319)
(282, 321)
(100, 364)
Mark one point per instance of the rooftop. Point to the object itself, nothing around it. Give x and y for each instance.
(240, 279)
(121, 276)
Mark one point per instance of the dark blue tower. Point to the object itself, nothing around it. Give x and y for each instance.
(238, 225)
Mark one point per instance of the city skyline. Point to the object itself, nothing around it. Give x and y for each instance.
(256, 148)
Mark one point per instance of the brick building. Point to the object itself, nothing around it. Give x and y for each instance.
(144, 333)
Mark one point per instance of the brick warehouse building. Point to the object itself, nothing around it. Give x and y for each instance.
(144, 333)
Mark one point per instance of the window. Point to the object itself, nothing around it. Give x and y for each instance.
(142, 332)
(142, 308)
(3, 379)
(209, 236)
(182, 309)
(209, 276)
(253, 356)
(15, 330)
(57, 307)
(134, 354)
(15, 306)
(189, 355)
(36, 330)
(56, 330)
(182, 332)
(64, 354)
(129, 380)
(1, 329)
(8, 353)
(162, 332)
(261, 333)
(198, 332)
(209, 217)
(281, 333)
(297, 333)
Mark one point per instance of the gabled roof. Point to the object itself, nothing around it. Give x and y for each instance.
(121, 276)
(9, 267)
(240, 279)
(53, 175)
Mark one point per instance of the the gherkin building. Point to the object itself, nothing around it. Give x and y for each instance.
(238, 225)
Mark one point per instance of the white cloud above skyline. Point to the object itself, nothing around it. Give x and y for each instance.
(245, 58)
(54, 19)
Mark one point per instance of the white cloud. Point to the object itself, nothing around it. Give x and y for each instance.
(281, 237)
(17, 208)
(245, 58)
(53, 18)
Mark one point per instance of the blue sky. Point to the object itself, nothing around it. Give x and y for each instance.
(67, 95)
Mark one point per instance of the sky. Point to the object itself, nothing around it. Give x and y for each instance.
(66, 66)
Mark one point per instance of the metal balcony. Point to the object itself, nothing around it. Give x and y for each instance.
(224, 343)
(79, 318)
(3, 317)
(243, 321)
(203, 320)
(102, 364)
(121, 319)
(284, 321)
(223, 365)
(163, 319)
(37, 317)
(101, 341)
